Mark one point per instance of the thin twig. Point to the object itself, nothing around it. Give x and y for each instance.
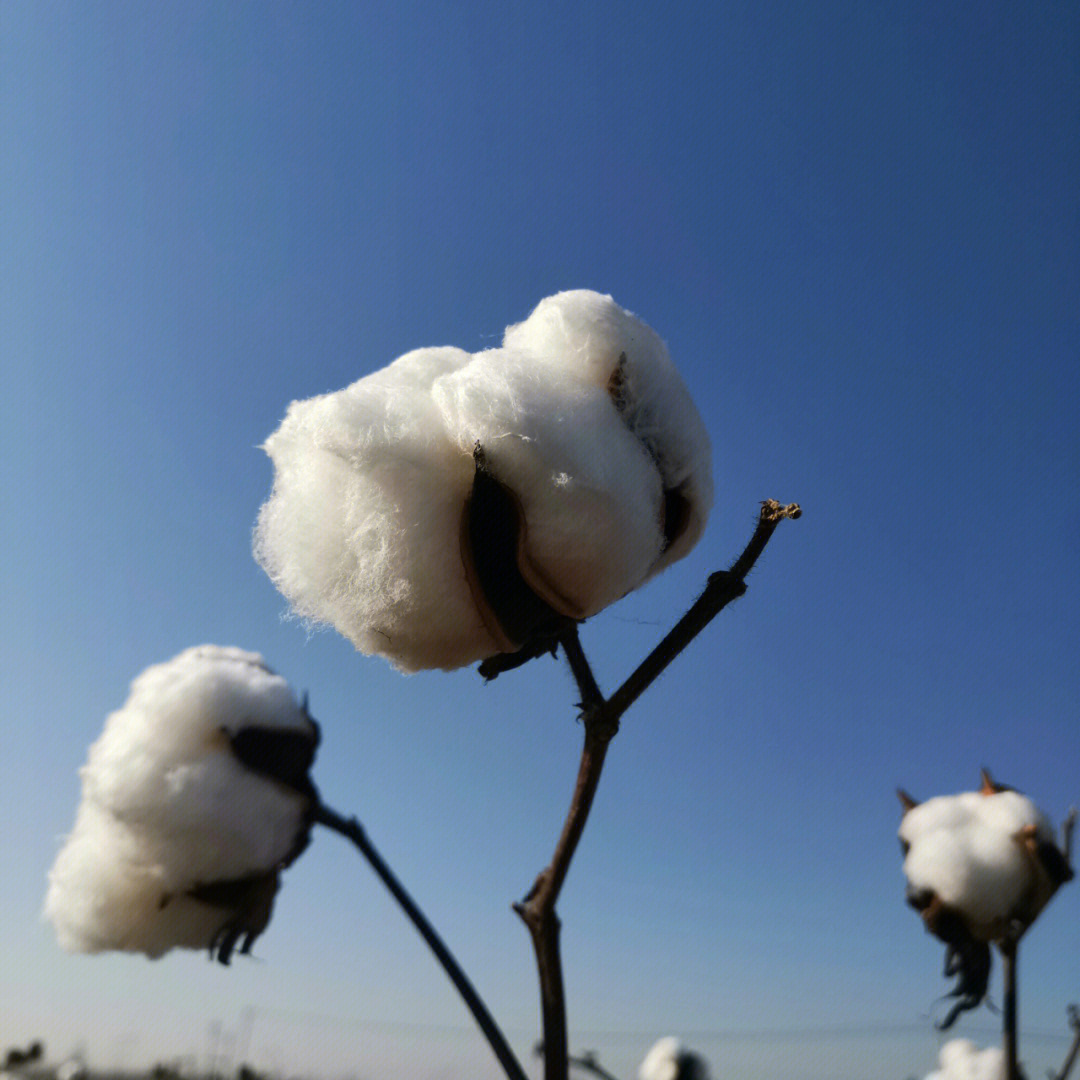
(352, 830)
(579, 666)
(723, 587)
(600, 718)
(1074, 1050)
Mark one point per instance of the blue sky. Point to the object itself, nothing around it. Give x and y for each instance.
(856, 226)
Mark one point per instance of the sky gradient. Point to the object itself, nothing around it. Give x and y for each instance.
(857, 228)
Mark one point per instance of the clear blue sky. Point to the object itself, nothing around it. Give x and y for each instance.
(856, 225)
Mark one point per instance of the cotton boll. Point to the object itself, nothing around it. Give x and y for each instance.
(668, 1060)
(163, 764)
(980, 868)
(964, 850)
(108, 893)
(362, 528)
(960, 1059)
(590, 495)
(195, 796)
(599, 456)
(586, 336)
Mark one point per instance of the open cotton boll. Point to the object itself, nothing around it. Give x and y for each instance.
(965, 850)
(960, 1059)
(586, 336)
(590, 494)
(194, 797)
(668, 1060)
(980, 866)
(362, 527)
(108, 892)
(593, 472)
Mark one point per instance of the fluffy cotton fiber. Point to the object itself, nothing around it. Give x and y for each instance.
(581, 415)
(668, 1060)
(960, 1059)
(169, 810)
(977, 853)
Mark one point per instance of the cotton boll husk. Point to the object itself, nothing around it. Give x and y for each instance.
(581, 335)
(963, 850)
(960, 1059)
(362, 527)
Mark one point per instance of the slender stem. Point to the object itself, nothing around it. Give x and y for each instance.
(1074, 1050)
(537, 910)
(723, 587)
(1009, 948)
(354, 832)
(601, 720)
(579, 667)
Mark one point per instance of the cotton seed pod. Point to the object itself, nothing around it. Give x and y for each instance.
(669, 1060)
(980, 867)
(989, 855)
(594, 464)
(194, 798)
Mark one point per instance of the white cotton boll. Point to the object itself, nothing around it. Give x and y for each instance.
(590, 494)
(108, 893)
(163, 764)
(194, 797)
(668, 1060)
(960, 1059)
(584, 425)
(964, 850)
(582, 335)
(362, 528)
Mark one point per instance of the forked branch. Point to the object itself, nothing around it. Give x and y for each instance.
(600, 718)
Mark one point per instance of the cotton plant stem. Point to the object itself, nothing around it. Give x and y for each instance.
(723, 587)
(1074, 1050)
(600, 718)
(351, 829)
(1008, 949)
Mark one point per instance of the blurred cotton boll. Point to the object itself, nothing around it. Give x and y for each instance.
(980, 867)
(960, 1059)
(988, 855)
(596, 469)
(194, 798)
(668, 1060)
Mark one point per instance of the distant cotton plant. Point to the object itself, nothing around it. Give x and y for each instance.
(980, 867)
(194, 799)
(669, 1060)
(961, 1059)
(456, 506)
